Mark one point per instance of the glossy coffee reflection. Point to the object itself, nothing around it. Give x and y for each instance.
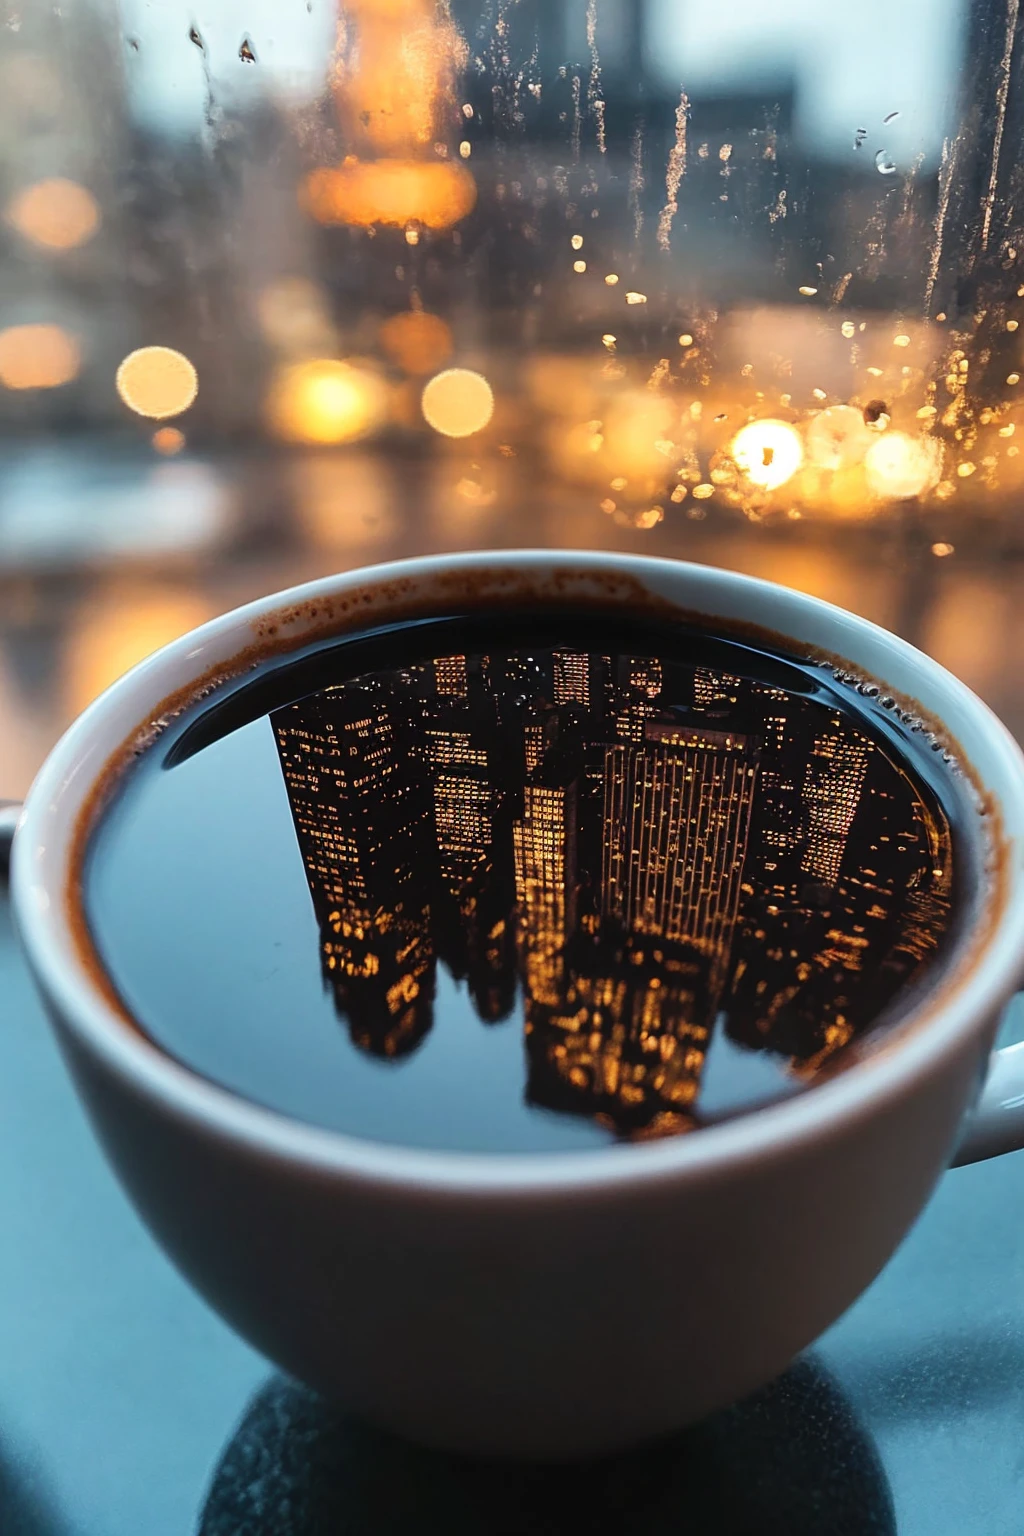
(528, 884)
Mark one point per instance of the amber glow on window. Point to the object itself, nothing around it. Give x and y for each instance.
(436, 194)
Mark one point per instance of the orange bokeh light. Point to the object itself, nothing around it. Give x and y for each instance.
(168, 440)
(157, 382)
(416, 341)
(325, 401)
(900, 466)
(56, 213)
(37, 357)
(436, 194)
(458, 402)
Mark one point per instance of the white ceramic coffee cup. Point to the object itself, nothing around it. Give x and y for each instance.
(554, 1304)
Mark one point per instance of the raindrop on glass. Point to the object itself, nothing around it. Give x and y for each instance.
(245, 53)
(891, 117)
(859, 136)
(193, 37)
(133, 44)
(884, 163)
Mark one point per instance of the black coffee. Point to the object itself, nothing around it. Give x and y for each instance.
(527, 883)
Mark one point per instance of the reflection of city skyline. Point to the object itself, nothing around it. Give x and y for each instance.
(650, 853)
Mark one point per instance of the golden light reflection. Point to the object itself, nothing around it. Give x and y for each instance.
(899, 466)
(458, 402)
(768, 452)
(38, 357)
(325, 401)
(418, 342)
(157, 382)
(120, 627)
(57, 214)
(436, 194)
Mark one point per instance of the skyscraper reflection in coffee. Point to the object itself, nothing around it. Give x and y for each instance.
(673, 865)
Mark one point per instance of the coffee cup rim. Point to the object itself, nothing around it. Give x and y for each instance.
(943, 1023)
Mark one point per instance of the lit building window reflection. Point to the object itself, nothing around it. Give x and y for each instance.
(655, 856)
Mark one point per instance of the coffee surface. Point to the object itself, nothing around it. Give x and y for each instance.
(527, 883)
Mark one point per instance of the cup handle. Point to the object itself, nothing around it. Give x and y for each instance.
(996, 1124)
(10, 810)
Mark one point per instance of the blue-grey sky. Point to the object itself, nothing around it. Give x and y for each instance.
(853, 64)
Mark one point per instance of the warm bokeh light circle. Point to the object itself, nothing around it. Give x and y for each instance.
(838, 437)
(899, 466)
(457, 402)
(38, 357)
(436, 194)
(157, 382)
(768, 452)
(325, 401)
(168, 440)
(57, 214)
(418, 342)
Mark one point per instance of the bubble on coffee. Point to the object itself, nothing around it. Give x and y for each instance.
(528, 883)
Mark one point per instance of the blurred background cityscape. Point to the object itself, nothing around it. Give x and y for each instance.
(290, 287)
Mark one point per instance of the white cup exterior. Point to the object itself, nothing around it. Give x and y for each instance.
(547, 1305)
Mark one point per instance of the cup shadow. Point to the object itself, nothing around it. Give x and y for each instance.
(793, 1460)
(24, 1509)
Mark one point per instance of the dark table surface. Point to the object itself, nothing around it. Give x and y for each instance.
(128, 1409)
